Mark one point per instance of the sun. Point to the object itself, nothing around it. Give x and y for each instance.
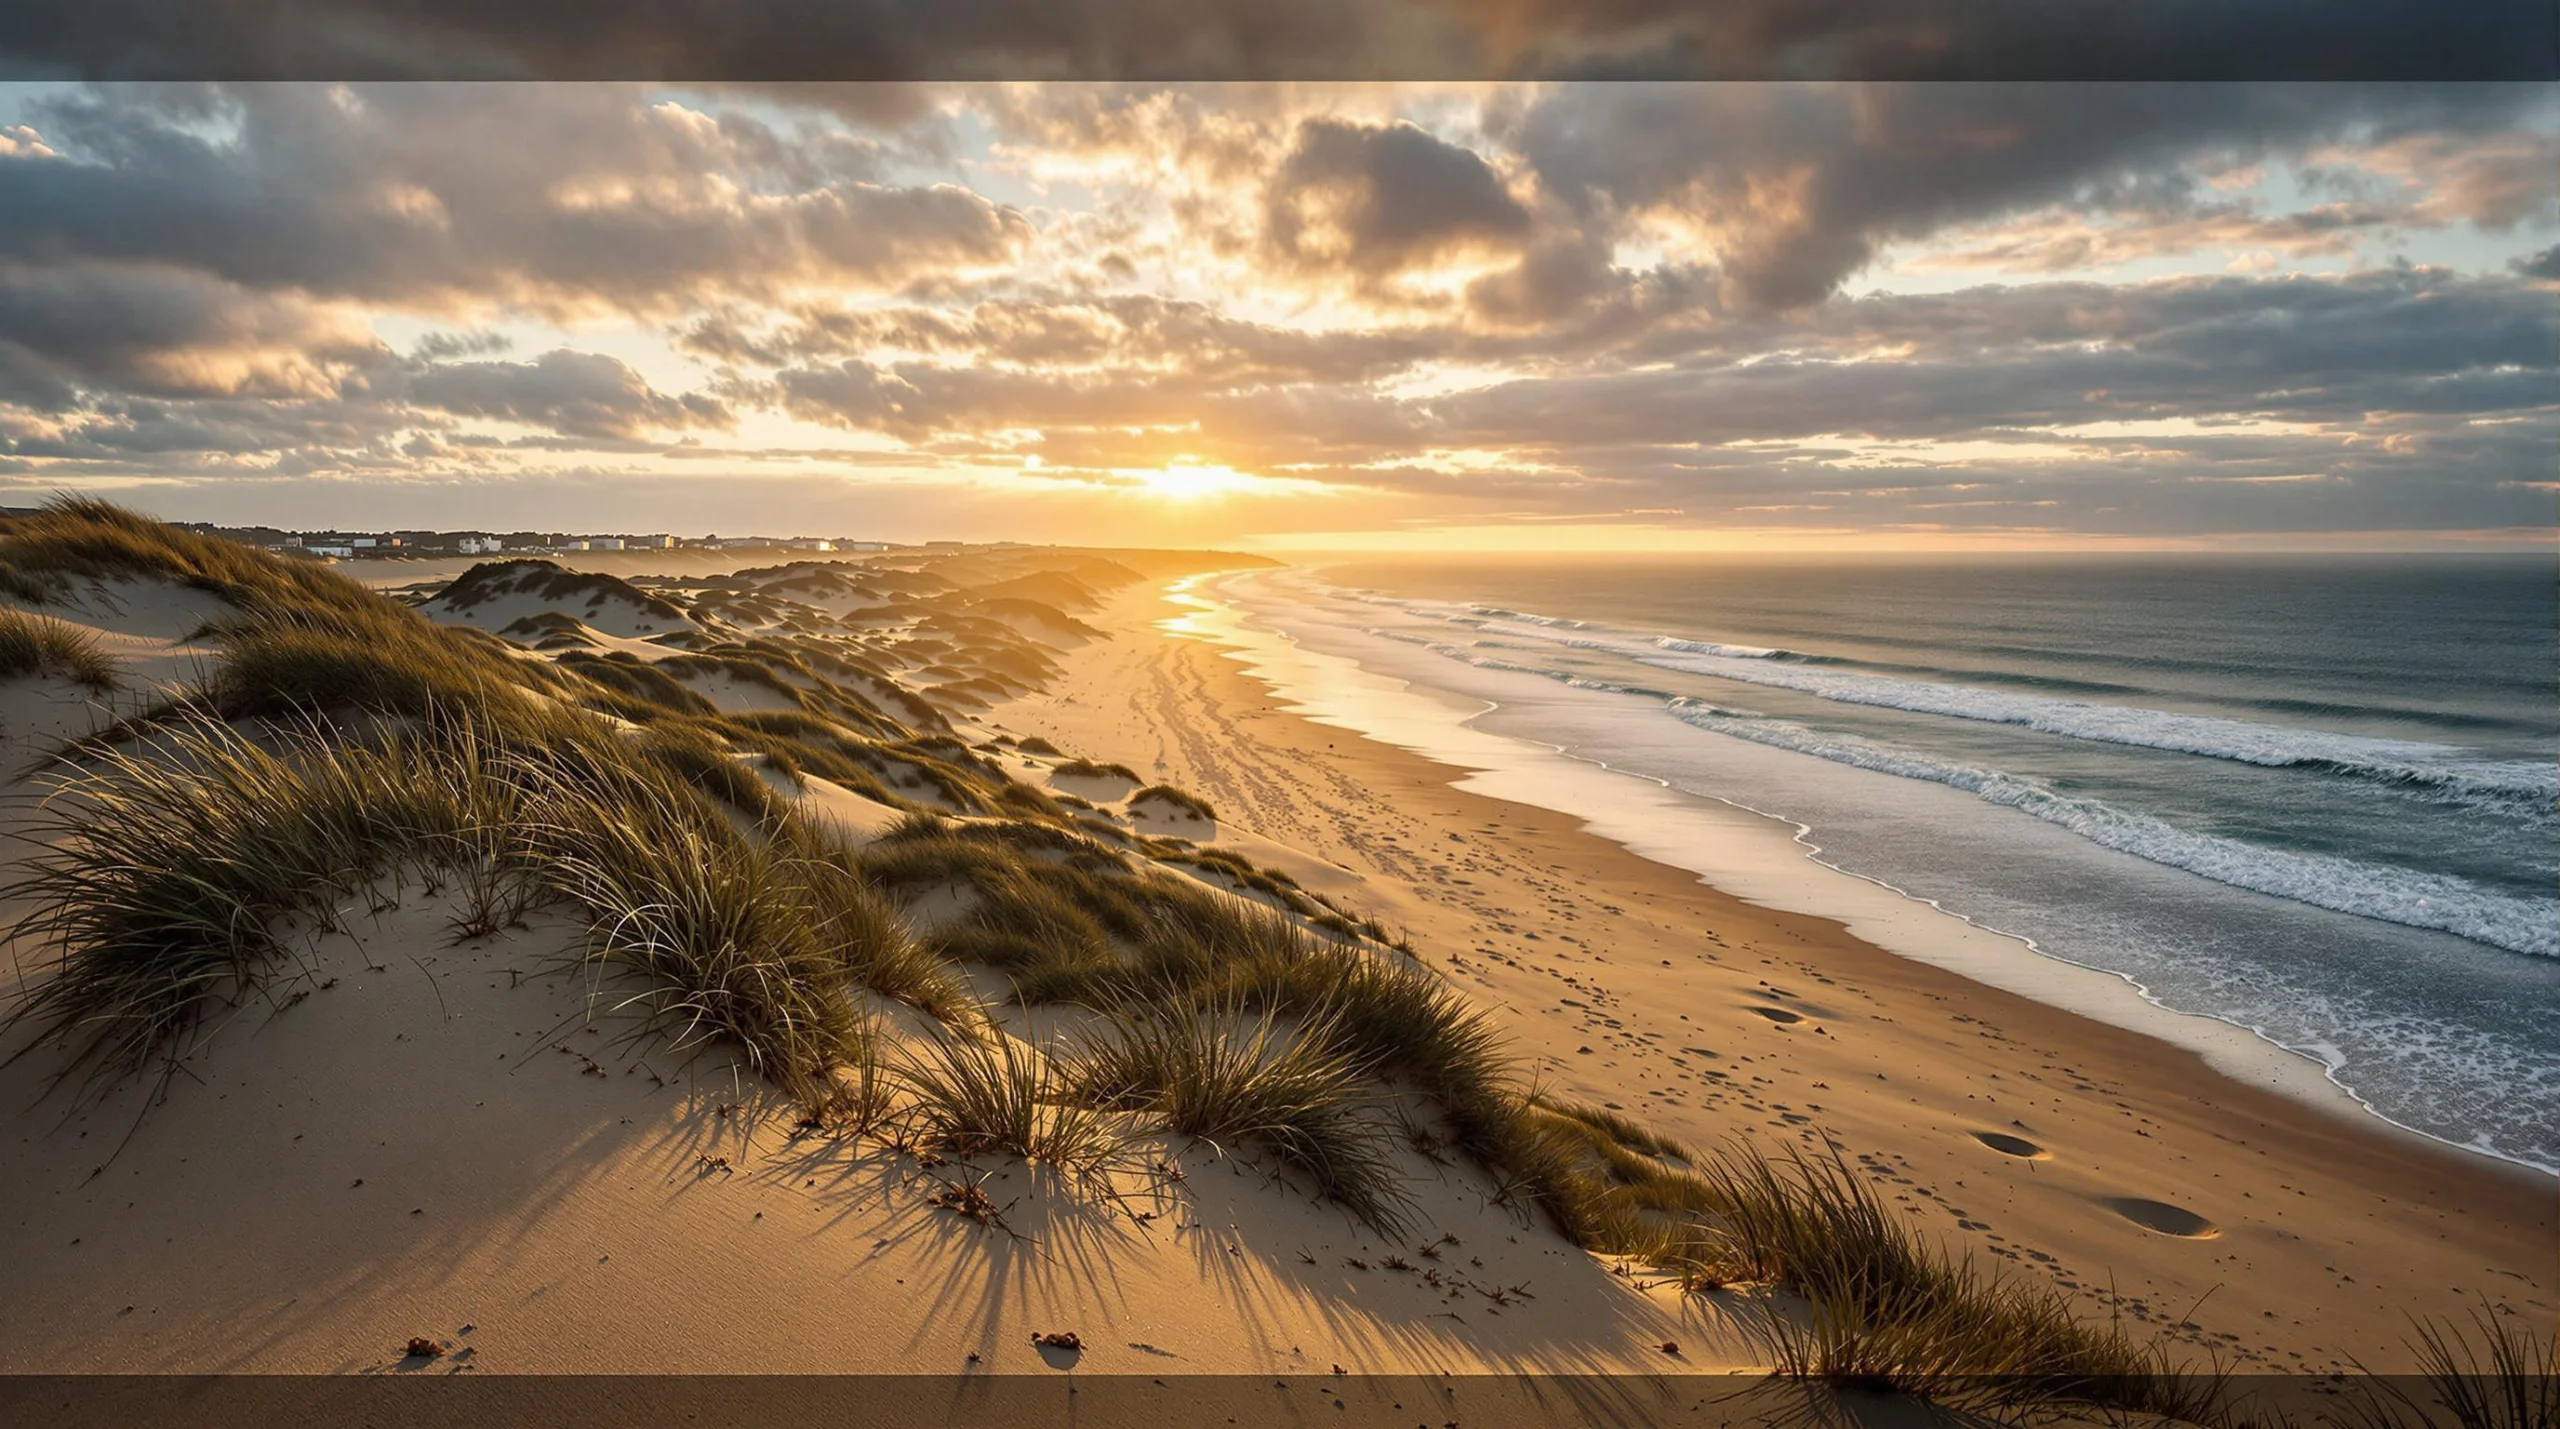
(1192, 481)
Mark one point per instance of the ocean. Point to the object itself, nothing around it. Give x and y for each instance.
(2311, 797)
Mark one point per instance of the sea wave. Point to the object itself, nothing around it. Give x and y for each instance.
(2406, 896)
(1495, 612)
(1721, 650)
(2522, 789)
(2514, 787)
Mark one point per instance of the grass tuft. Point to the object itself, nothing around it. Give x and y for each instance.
(2508, 1378)
(42, 645)
(1227, 1078)
(973, 1095)
(1891, 1312)
(1088, 769)
(1166, 794)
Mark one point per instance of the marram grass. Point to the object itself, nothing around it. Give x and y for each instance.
(33, 644)
(1250, 1083)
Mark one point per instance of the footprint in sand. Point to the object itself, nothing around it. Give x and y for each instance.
(1778, 1015)
(2008, 1145)
(2162, 1217)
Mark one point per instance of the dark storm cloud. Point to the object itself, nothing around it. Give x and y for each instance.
(577, 394)
(549, 196)
(2545, 264)
(1204, 39)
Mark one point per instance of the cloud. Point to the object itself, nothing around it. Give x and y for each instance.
(578, 394)
(169, 332)
(1379, 200)
(2106, 392)
(1796, 188)
(1544, 303)
(439, 346)
(558, 199)
(1119, 331)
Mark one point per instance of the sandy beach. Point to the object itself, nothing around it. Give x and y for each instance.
(2289, 1235)
(424, 1127)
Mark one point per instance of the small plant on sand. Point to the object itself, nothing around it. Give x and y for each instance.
(42, 645)
(1180, 801)
(992, 1094)
(1225, 1077)
(1088, 769)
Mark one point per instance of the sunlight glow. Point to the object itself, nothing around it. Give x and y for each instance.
(1190, 481)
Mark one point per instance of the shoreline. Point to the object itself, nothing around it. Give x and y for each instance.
(1576, 942)
(1797, 878)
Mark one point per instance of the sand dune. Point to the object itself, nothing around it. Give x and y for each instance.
(417, 1129)
(517, 1140)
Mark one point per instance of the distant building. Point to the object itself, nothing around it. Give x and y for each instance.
(574, 546)
(480, 545)
(602, 543)
(654, 543)
(362, 543)
(340, 552)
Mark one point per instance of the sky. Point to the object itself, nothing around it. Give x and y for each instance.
(1572, 314)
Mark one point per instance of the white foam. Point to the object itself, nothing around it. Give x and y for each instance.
(1720, 649)
(2406, 896)
(2517, 788)
(2409, 897)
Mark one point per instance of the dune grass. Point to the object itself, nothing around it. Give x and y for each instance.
(1248, 1082)
(2508, 1377)
(76, 538)
(1172, 797)
(979, 1095)
(549, 580)
(1089, 769)
(1891, 1311)
(718, 927)
(1070, 920)
(177, 863)
(41, 645)
(171, 867)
